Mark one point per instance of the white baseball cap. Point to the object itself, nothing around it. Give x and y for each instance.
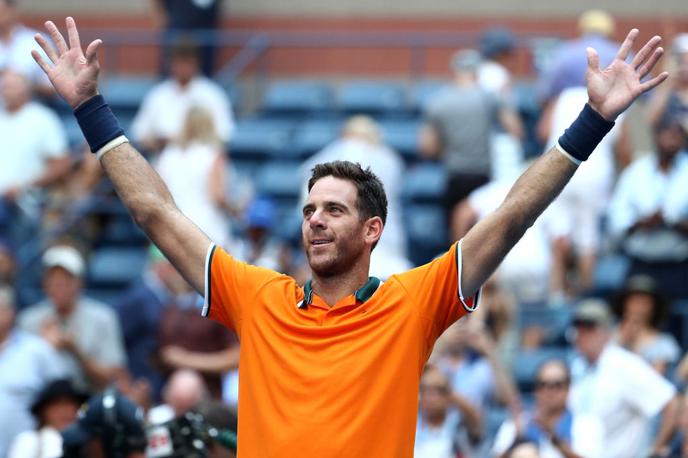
(66, 257)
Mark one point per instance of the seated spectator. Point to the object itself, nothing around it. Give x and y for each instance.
(184, 391)
(162, 113)
(140, 309)
(642, 310)
(523, 448)
(8, 265)
(258, 248)
(549, 424)
(85, 332)
(30, 161)
(55, 408)
(619, 388)
(648, 213)
(194, 167)
(361, 141)
(27, 364)
(497, 314)
(448, 424)
(458, 130)
(224, 419)
(190, 341)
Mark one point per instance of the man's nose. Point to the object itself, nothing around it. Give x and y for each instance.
(317, 219)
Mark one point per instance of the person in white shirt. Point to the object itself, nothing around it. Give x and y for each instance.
(549, 424)
(162, 113)
(619, 388)
(648, 213)
(361, 141)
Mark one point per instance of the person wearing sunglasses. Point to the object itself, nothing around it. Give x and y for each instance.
(557, 432)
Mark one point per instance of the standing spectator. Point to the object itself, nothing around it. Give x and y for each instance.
(648, 212)
(361, 141)
(458, 128)
(619, 388)
(16, 44)
(549, 423)
(164, 109)
(55, 408)
(28, 160)
(497, 46)
(583, 201)
(448, 424)
(140, 309)
(672, 98)
(27, 364)
(198, 18)
(194, 167)
(85, 332)
(642, 310)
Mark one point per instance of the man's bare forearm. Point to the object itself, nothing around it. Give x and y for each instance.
(490, 240)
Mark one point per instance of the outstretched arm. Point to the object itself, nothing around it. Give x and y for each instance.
(74, 74)
(610, 92)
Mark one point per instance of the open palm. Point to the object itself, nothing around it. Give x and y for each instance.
(612, 90)
(74, 74)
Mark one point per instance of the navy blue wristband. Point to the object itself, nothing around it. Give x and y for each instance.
(586, 132)
(97, 122)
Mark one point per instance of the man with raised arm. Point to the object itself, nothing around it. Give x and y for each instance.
(333, 368)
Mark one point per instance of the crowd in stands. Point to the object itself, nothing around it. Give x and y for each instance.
(578, 348)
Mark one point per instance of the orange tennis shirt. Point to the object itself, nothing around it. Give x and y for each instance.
(339, 381)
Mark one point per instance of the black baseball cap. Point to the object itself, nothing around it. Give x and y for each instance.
(57, 389)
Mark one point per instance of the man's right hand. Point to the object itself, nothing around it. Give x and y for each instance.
(74, 74)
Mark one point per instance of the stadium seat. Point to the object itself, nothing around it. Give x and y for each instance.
(422, 91)
(424, 183)
(296, 98)
(427, 232)
(610, 273)
(402, 136)
(311, 136)
(372, 97)
(121, 230)
(115, 267)
(553, 321)
(259, 139)
(527, 362)
(280, 181)
(126, 93)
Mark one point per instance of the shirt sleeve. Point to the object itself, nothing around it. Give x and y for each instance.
(587, 436)
(230, 286)
(435, 289)
(642, 378)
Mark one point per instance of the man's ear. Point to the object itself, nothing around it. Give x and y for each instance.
(373, 229)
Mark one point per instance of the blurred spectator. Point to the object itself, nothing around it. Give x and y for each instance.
(619, 388)
(110, 426)
(55, 408)
(164, 109)
(671, 98)
(497, 315)
(258, 247)
(528, 269)
(8, 265)
(549, 424)
(583, 200)
(140, 309)
(194, 167)
(361, 141)
(642, 310)
(523, 448)
(184, 391)
(458, 128)
(569, 64)
(16, 44)
(85, 332)
(648, 212)
(27, 364)
(224, 419)
(497, 46)
(448, 424)
(28, 160)
(190, 341)
(198, 18)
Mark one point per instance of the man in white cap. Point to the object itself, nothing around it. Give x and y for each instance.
(85, 332)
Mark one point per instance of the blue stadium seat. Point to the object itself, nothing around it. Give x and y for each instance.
(553, 321)
(311, 136)
(126, 93)
(280, 181)
(115, 267)
(402, 136)
(422, 92)
(610, 273)
(372, 97)
(259, 139)
(427, 232)
(296, 98)
(424, 183)
(121, 230)
(527, 362)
